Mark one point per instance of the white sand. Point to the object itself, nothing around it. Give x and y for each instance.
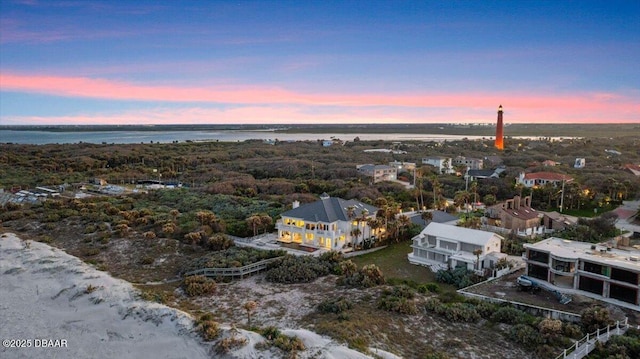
(43, 295)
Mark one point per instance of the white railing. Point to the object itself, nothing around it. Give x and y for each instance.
(584, 346)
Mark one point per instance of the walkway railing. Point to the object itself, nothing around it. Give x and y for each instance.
(584, 346)
(234, 271)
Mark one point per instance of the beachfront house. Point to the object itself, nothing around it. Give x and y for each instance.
(604, 271)
(379, 173)
(541, 178)
(515, 215)
(330, 223)
(442, 164)
(443, 246)
(469, 162)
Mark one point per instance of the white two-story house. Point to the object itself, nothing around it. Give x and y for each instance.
(443, 164)
(330, 223)
(542, 178)
(379, 173)
(450, 246)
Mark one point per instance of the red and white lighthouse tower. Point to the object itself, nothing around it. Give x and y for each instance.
(499, 134)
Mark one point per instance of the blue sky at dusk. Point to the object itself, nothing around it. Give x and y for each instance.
(218, 62)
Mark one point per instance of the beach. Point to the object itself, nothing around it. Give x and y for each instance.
(53, 305)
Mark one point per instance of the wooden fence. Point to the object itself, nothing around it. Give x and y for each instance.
(234, 272)
(584, 346)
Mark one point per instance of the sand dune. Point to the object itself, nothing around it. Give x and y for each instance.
(50, 298)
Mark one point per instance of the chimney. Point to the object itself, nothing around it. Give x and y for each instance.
(516, 200)
(295, 204)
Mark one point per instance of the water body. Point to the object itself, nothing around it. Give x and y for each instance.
(48, 137)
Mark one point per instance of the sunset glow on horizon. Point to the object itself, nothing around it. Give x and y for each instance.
(161, 62)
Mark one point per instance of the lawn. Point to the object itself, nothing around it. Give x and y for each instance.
(394, 263)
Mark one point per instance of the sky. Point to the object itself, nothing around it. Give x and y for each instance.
(312, 62)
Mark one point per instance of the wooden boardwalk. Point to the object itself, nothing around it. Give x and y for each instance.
(584, 346)
(235, 272)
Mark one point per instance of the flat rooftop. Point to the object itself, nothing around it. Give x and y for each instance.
(623, 258)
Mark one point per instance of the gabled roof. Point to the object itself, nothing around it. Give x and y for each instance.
(635, 169)
(328, 210)
(482, 173)
(372, 167)
(525, 213)
(549, 176)
(438, 217)
(560, 217)
(459, 234)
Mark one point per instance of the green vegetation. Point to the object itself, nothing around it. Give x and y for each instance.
(624, 346)
(302, 269)
(208, 327)
(393, 262)
(459, 277)
(232, 257)
(241, 189)
(400, 300)
(283, 342)
(196, 285)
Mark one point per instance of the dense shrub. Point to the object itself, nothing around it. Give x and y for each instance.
(461, 312)
(572, 330)
(198, 285)
(510, 315)
(227, 344)
(270, 332)
(399, 299)
(398, 305)
(550, 328)
(231, 257)
(285, 343)
(486, 309)
(298, 269)
(455, 312)
(336, 305)
(368, 276)
(428, 288)
(594, 318)
(208, 328)
(218, 242)
(460, 277)
(525, 335)
(620, 346)
(432, 304)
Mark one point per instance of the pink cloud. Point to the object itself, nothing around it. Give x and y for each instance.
(420, 107)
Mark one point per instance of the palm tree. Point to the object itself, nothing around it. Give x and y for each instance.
(355, 233)
(265, 222)
(364, 214)
(403, 223)
(249, 306)
(436, 191)
(474, 190)
(254, 222)
(462, 199)
(427, 216)
(477, 252)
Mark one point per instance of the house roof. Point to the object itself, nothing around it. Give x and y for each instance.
(559, 217)
(328, 210)
(523, 212)
(549, 176)
(371, 167)
(635, 169)
(565, 248)
(438, 217)
(481, 173)
(459, 234)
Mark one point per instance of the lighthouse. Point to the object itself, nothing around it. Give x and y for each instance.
(499, 134)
